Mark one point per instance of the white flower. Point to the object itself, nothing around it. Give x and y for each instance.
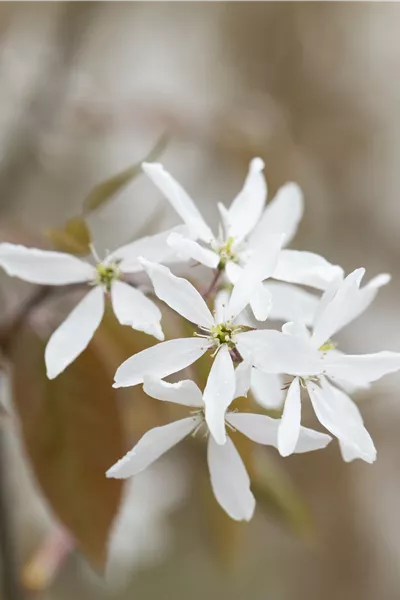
(229, 479)
(275, 352)
(130, 305)
(244, 227)
(220, 334)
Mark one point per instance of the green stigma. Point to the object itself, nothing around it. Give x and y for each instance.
(226, 253)
(327, 346)
(106, 274)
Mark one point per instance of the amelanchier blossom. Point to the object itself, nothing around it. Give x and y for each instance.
(229, 479)
(327, 372)
(130, 305)
(242, 231)
(220, 334)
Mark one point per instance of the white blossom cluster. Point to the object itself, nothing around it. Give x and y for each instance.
(254, 278)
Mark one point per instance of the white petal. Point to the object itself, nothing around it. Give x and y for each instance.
(185, 248)
(261, 302)
(306, 268)
(151, 446)
(160, 360)
(298, 330)
(44, 267)
(267, 389)
(290, 303)
(219, 393)
(347, 301)
(261, 265)
(243, 378)
(337, 308)
(361, 369)
(230, 481)
(366, 295)
(221, 304)
(179, 294)
(184, 392)
(258, 428)
(289, 429)
(245, 210)
(275, 352)
(282, 215)
(264, 430)
(310, 440)
(335, 411)
(74, 334)
(152, 247)
(351, 452)
(179, 200)
(233, 271)
(132, 307)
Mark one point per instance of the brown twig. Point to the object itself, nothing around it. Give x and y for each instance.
(38, 295)
(213, 284)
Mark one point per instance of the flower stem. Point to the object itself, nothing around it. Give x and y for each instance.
(213, 284)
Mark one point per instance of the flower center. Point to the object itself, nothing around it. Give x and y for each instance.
(106, 274)
(223, 334)
(226, 253)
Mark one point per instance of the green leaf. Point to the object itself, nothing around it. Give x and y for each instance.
(74, 238)
(72, 431)
(104, 191)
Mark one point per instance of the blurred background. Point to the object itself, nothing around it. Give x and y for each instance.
(89, 89)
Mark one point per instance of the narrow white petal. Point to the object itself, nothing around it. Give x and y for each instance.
(306, 268)
(221, 304)
(219, 393)
(179, 200)
(153, 247)
(276, 352)
(261, 265)
(258, 428)
(187, 249)
(282, 215)
(233, 271)
(291, 303)
(351, 452)
(310, 440)
(338, 305)
(151, 446)
(297, 329)
(74, 334)
(344, 300)
(230, 481)
(245, 210)
(184, 392)
(179, 294)
(264, 430)
(267, 389)
(44, 267)
(132, 307)
(261, 302)
(243, 378)
(289, 428)
(337, 412)
(361, 369)
(160, 360)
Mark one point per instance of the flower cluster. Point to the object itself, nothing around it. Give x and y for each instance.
(254, 278)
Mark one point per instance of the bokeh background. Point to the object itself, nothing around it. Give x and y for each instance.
(86, 90)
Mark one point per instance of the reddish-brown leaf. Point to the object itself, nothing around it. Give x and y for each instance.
(72, 432)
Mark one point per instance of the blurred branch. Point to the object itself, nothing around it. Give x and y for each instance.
(9, 574)
(39, 295)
